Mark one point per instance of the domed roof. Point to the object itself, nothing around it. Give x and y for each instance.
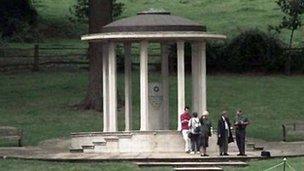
(153, 21)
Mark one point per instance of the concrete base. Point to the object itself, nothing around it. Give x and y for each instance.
(134, 142)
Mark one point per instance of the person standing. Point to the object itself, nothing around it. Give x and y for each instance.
(224, 133)
(195, 129)
(206, 128)
(241, 122)
(185, 117)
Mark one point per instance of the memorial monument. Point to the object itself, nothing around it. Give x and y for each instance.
(154, 134)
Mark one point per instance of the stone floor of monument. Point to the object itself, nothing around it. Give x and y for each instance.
(58, 150)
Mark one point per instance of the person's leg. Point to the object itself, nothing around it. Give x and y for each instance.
(187, 140)
(225, 145)
(201, 143)
(198, 142)
(204, 150)
(193, 148)
(238, 143)
(221, 147)
(243, 135)
(206, 144)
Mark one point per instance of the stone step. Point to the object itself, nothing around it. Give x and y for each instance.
(197, 159)
(101, 143)
(76, 150)
(192, 164)
(198, 169)
(258, 148)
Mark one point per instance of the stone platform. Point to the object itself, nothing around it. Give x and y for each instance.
(57, 150)
(167, 141)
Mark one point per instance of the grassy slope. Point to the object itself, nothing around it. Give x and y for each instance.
(228, 17)
(39, 102)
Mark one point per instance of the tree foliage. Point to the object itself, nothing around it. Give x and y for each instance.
(80, 10)
(293, 9)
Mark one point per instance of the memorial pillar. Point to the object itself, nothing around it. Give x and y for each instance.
(128, 86)
(195, 73)
(105, 87)
(165, 85)
(144, 85)
(180, 81)
(112, 88)
(203, 67)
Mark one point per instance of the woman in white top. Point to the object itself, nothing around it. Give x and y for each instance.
(195, 129)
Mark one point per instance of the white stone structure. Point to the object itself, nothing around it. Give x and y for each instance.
(144, 28)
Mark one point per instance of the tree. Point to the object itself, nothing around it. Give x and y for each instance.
(99, 13)
(80, 10)
(15, 16)
(293, 9)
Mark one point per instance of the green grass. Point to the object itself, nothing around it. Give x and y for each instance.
(40, 103)
(226, 17)
(16, 165)
(296, 163)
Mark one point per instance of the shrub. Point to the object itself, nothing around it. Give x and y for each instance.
(297, 60)
(254, 50)
(250, 51)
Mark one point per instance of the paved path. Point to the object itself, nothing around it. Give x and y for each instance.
(58, 150)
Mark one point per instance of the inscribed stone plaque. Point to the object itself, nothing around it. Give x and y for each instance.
(155, 106)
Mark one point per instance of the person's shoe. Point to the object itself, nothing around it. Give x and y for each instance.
(244, 155)
(221, 154)
(204, 155)
(198, 152)
(239, 154)
(187, 151)
(226, 154)
(192, 152)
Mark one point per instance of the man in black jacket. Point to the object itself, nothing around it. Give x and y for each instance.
(224, 133)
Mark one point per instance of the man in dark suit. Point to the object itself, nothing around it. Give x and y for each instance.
(224, 133)
(241, 122)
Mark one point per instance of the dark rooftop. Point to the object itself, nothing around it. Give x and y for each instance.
(153, 21)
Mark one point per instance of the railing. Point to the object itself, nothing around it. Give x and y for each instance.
(39, 56)
(60, 55)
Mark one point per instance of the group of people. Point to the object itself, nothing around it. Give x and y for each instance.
(197, 130)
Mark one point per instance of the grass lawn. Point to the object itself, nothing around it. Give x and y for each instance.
(16, 165)
(296, 163)
(40, 103)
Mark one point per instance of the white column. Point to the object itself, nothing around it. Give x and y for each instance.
(195, 82)
(105, 87)
(165, 84)
(144, 85)
(180, 80)
(112, 88)
(128, 87)
(203, 76)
